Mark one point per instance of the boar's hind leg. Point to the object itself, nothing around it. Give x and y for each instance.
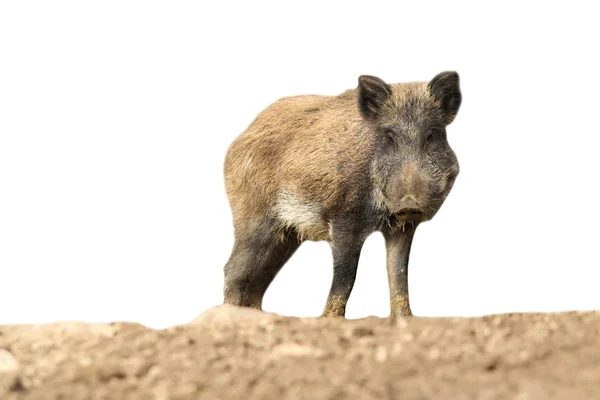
(346, 252)
(256, 258)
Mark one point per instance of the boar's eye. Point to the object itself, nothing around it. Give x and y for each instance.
(390, 137)
(435, 136)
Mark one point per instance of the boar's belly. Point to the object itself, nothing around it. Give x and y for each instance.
(303, 216)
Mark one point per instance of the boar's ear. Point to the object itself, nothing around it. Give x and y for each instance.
(445, 88)
(372, 93)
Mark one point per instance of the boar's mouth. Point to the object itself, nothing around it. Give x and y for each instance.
(409, 214)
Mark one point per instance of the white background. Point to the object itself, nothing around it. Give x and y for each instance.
(115, 117)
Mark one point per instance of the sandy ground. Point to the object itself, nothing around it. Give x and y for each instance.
(234, 353)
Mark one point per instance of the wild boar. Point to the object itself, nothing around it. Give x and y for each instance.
(338, 168)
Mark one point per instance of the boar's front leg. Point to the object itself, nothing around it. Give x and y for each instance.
(346, 252)
(398, 251)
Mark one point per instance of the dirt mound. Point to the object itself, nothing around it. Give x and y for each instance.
(234, 353)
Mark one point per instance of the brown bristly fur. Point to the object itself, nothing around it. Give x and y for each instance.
(336, 168)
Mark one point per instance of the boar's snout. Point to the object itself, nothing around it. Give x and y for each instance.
(409, 210)
(407, 193)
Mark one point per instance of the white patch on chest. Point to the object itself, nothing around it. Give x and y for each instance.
(303, 216)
